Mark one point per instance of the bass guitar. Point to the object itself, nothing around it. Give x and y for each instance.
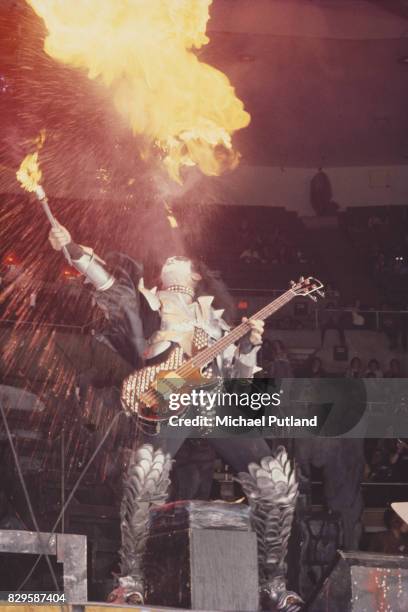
(145, 392)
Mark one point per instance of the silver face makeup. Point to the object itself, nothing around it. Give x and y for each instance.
(177, 271)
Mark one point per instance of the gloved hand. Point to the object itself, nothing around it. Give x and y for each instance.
(59, 237)
(257, 330)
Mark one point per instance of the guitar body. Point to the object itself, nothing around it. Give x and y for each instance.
(144, 392)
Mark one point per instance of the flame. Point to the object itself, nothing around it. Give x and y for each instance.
(29, 173)
(170, 216)
(39, 141)
(142, 50)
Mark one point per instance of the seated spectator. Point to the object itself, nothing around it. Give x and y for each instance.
(394, 541)
(314, 368)
(254, 252)
(389, 461)
(380, 264)
(373, 370)
(317, 370)
(394, 370)
(250, 256)
(398, 460)
(280, 366)
(301, 257)
(379, 468)
(355, 369)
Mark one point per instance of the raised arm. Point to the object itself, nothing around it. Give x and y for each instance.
(118, 296)
(82, 258)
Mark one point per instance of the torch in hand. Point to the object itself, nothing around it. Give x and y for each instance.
(29, 176)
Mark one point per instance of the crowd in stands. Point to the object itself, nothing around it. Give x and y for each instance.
(276, 364)
(277, 248)
(386, 459)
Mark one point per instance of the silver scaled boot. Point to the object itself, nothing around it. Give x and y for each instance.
(272, 490)
(146, 483)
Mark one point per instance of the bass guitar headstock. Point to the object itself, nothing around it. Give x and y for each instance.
(308, 287)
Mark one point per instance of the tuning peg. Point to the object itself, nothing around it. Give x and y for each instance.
(302, 279)
(292, 283)
(312, 297)
(320, 293)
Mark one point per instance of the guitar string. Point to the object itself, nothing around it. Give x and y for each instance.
(208, 354)
(235, 334)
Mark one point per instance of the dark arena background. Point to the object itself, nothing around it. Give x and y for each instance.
(267, 141)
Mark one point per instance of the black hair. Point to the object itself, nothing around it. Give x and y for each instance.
(211, 284)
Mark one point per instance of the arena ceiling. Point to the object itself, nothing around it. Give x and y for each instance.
(396, 7)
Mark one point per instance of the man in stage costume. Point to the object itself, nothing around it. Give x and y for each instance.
(143, 324)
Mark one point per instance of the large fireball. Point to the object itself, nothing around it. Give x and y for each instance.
(142, 50)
